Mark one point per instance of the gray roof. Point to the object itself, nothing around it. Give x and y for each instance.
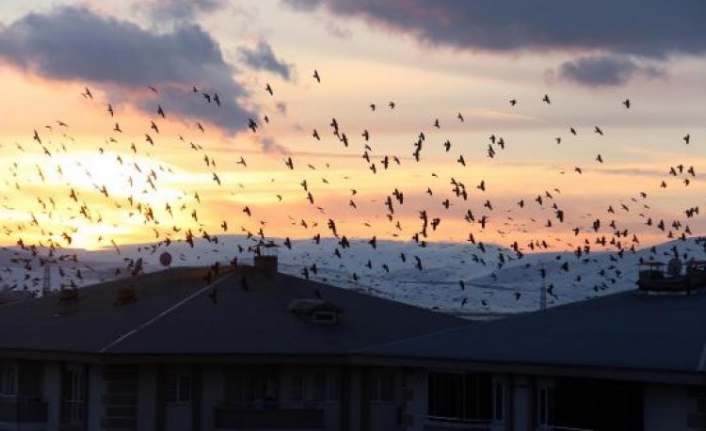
(625, 330)
(174, 315)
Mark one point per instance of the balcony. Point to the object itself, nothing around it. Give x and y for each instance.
(31, 412)
(442, 424)
(270, 415)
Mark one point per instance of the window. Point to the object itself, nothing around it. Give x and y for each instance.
(8, 379)
(381, 385)
(324, 386)
(74, 394)
(545, 405)
(332, 387)
(498, 401)
(297, 388)
(253, 385)
(460, 396)
(320, 386)
(178, 387)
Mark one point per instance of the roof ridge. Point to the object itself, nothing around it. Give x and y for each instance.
(157, 317)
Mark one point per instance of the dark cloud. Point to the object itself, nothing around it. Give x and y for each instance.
(76, 44)
(181, 10)
(263, 58)
(641, 27)
(655, 29)
(606, 70)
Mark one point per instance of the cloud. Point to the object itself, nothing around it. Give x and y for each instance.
(607, 70)
(263, 58)
(180, 11)
(268, 145)
(303, 5)
(76, 44)
(653, 29)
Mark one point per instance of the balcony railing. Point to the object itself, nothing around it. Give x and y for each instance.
(23, 410)
(268, 415)
(447, 424)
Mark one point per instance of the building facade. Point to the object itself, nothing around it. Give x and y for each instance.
(261, 351)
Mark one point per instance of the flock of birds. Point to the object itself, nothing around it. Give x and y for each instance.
(62, 200)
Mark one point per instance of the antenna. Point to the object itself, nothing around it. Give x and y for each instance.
(46, 282)
(543, 290)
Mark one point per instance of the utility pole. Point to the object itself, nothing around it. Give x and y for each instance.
(543, 290)
(46, 282)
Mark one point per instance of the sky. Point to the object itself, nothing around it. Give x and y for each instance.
(88, 160)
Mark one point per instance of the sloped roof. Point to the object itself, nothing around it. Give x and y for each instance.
(175, 315)
(624, 330)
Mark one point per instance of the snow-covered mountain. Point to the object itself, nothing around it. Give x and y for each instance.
(465, 279)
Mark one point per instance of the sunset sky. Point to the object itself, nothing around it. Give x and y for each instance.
(436, 60)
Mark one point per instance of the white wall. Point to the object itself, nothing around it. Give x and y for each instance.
(212, 393)
(414, 399)
(521, 412)
(52, 393)
(666, 407)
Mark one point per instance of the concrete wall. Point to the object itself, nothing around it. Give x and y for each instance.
(52, 393)
(93, 397)
(212, 394)
(413, 399)
(667, 407)
(355, 397)
(521, 413)
(502, 424)
(146, 403)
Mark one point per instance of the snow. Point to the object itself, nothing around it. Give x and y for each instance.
(495, 281)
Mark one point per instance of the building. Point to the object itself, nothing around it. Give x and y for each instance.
(628, 361)
(258, 350)
(254, 349)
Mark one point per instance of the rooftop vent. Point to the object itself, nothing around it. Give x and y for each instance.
(315, 310)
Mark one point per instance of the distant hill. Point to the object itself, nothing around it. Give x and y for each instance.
(495, 279)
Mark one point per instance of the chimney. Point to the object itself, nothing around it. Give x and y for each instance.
(266, 257)
(125, 295)
(268, 263)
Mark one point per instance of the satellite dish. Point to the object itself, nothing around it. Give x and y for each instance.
(165, 259)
